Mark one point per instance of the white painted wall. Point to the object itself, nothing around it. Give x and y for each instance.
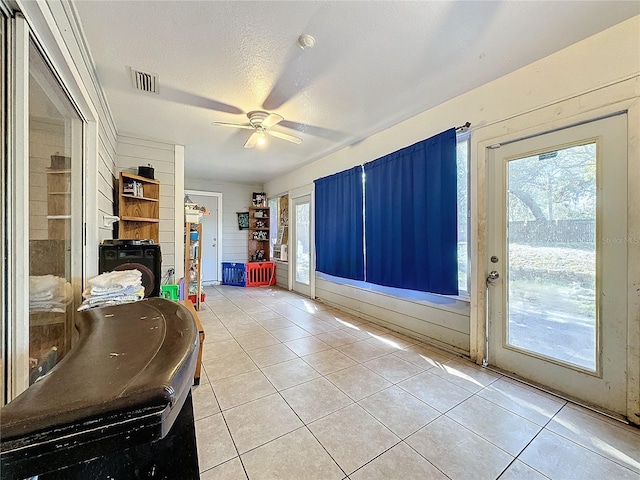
(133, 152)
(107, 183)
(236, 197)
(282, 274)
(603, 59)
(609, 56)
(46, 137)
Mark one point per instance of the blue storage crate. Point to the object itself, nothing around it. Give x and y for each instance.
(234, 274)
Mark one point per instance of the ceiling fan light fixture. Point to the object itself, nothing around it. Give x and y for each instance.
(261, 122)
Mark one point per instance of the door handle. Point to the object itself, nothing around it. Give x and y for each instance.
(492, 277)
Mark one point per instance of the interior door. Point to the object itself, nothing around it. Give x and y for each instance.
(558, 261)
(209, 242)
(301, 245)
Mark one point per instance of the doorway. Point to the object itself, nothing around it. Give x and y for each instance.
(558, 261)
(301, 245)
(211, 230)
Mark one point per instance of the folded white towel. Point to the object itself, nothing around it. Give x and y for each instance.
(101, 301)
(45, 287)
(139, 295)
(110, 282)
(44, 283)
(47, 307)
(41, 296)
(56, 303)
(130, 290)
(49, 288)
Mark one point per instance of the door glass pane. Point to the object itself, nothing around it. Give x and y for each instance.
(55, 217)
(273, 227)
(302, 243)
(3, 202)
(551, 248)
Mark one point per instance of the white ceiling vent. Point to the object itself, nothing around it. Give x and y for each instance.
(145, 81)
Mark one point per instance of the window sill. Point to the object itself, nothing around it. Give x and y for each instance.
(452, 303)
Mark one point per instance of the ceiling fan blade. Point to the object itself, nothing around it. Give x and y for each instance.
(233, 125)
(271, 120)
(285, 136)
(253, 139)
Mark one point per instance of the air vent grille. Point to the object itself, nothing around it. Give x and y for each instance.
(145, 81)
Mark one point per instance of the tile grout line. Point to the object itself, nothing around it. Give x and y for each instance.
(593, 452)
(517, 457)
(306, 426)
(230, 436)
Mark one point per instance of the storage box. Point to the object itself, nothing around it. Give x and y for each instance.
(58, 162)
(193, 298)
(172, 292)
(192, 215)
(260, 274)
(233, 274)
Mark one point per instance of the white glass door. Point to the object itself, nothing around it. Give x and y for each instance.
(210, 235)
(301, 245)
(558, 266)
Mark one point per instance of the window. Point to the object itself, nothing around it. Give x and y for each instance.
(461, 215)
(464, 254)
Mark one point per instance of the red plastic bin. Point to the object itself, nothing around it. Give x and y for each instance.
(261, 273)
(193, 298)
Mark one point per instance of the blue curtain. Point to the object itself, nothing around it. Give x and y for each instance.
(339, 230)
(411, 217)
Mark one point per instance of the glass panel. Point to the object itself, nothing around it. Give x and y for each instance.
(302, 243)
(551, 214)
(273, 225)
(3, 207)
(462, 162)
(55, 218)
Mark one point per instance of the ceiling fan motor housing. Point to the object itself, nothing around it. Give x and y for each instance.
(257, 117)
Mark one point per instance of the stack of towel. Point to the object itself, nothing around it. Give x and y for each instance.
(113, 288)
(49, 293)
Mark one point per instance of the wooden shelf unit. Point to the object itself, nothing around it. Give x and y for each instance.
(59, 203)
(259, 218)
(193, 263)
(139, 214)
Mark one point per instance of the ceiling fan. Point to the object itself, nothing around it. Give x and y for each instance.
(261, 122)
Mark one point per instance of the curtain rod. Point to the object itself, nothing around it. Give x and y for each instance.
(463, 128)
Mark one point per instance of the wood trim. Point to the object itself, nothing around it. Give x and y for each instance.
(189, 306)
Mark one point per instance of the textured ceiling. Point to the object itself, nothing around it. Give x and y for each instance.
(374, 64)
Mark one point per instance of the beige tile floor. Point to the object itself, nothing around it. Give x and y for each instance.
(293, 389)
